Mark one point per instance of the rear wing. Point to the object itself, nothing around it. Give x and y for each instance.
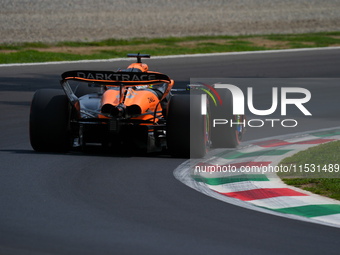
(121, 78)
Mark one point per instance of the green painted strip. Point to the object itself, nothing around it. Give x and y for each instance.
(236, 154)
(231, 179)
(327, 133)
(311, 210)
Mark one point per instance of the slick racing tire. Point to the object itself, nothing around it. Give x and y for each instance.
(222, 135)
(186, 127)
(49, 121)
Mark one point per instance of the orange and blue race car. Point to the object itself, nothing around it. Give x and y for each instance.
(132, 109)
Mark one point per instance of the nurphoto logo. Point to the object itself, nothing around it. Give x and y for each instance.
(239, 105)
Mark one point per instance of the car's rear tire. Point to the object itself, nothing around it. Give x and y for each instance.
(49, 121)
(186, 127)
(222, 135)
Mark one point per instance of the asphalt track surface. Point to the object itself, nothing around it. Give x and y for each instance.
(98, 203)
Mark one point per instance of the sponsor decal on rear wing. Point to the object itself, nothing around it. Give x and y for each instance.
(116, 78)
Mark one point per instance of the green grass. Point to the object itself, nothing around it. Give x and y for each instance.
(313, 39)
(31, 51)
(23, 46)
(324, 181)
(29, 56)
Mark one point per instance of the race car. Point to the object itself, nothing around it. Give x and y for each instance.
(132, 109)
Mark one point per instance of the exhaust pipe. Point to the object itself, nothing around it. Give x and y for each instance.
(111, 105)
(115, 111)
